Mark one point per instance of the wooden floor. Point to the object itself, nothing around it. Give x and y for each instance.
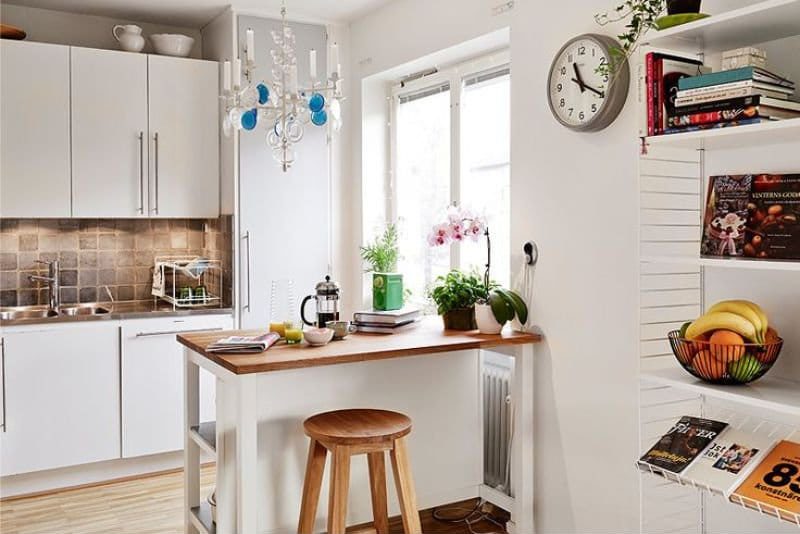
(146, 506)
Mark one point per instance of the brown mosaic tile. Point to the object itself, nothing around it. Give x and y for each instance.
(69, 278)
(125, 293)
(28, 242)
(69, 295)
(68, 259)
(87, 294)
(87, 259)
(8, 261)
(87, 242)
(87, 278)
(8, 298)
(27, 297)
(106, 277)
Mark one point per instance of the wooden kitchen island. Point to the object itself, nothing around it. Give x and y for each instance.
(262, 399)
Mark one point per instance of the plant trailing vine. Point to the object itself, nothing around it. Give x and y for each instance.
(643, 15)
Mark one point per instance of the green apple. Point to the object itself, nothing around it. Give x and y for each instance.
(744, 369)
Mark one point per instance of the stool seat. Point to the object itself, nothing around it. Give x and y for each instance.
(357, 426)
(348, 433)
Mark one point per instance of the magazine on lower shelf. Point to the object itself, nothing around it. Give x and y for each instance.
(774, 485)
(683, 443)
(729, 459)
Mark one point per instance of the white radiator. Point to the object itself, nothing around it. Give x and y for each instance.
(497, 420)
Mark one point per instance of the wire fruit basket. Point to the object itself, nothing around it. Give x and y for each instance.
(725, 364)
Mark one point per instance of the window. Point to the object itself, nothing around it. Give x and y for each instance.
(451, 138)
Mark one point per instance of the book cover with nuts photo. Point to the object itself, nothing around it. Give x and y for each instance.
(752, 216)
(684, 442)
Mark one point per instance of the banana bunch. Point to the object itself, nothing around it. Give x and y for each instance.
(741, 316)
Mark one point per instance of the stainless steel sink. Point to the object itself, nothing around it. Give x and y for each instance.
(84, 309)
(20, 313)
(26, 312)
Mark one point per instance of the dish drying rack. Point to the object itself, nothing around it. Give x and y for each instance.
(171, 273)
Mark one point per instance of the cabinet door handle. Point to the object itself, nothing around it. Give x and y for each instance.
(141, 173)
(3, 370)
(246, 237)
(175, 332)
(155, 196)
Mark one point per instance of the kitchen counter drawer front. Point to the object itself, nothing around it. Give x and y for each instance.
(152, 382)
(61, 391)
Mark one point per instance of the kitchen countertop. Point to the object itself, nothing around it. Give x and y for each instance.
(427, 337)
(139, 309)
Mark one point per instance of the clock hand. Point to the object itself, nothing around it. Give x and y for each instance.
(601, 94)
(578, 78)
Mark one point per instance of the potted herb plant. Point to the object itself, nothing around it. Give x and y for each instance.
(455, 295)
(493, 306)
(381, 257)
(641, 16)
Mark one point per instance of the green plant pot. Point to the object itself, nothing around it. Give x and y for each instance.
(387, 291)
(460, 319)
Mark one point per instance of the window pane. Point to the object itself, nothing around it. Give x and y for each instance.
(422, 187)
(485, 171)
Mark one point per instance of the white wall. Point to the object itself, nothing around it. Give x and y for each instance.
(48, 26)
(576, 195)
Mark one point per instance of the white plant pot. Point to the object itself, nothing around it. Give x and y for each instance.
(487, 324)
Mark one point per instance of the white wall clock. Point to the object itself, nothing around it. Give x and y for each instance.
(581, 97)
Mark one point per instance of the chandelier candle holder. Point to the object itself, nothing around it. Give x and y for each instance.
(283, 106)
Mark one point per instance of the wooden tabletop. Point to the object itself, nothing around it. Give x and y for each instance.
(427, 337)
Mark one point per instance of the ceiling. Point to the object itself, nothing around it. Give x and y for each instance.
(197, 13)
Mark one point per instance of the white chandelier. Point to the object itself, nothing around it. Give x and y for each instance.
(283, 106)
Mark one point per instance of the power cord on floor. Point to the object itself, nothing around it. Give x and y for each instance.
(468, 516)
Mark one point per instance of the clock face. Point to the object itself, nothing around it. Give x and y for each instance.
(581, 97)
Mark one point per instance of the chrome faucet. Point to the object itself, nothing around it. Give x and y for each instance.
(53, 283)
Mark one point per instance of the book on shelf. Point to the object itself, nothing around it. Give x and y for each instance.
(774, 484)
(680, 120)
(725, 93)
(659, 89)
(699, 127)
(729, 459)
(755, 74)
(753, 216)
(387, 317)
(685, 441)
(245, 344)
(383, 328)
(719, 105)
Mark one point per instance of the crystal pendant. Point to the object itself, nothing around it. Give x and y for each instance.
(316, 103)
(319, 118)
(235, 117)
(249, 119)
(263, 93)
(248, 97)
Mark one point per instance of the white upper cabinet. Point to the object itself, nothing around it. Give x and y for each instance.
(184, 137)
(35, 147)
(109, 133)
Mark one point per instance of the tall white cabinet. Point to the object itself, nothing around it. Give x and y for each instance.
(184, 137)
(109, 133)
(284, 218)
(35, 148)
(677, 285)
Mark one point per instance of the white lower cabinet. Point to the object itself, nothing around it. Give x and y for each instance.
(152, 383)
(61, 392)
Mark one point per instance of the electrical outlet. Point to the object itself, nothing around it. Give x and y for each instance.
(501, 8)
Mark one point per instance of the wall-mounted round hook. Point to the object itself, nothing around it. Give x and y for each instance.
(531, 253)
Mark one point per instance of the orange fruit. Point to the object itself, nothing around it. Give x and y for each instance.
(726, 346)
(708, 366)
(702, 343)
(772, 335)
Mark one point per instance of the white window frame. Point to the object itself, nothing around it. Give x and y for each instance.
(454, 75)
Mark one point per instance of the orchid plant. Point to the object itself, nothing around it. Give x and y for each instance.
(463, 224)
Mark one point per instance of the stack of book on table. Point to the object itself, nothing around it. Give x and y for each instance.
(386, 322)
(746, 95)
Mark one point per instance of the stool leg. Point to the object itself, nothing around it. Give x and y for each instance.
(377, 488)
(340, 485)
(315, 467)
(405, 487)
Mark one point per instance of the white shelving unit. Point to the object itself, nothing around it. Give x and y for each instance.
(677, 284)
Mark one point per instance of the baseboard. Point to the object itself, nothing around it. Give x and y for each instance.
(88, 475)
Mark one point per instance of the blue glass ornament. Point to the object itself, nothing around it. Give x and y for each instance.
(263, 93)
(249, 119)
(316, 102)
(320, 117)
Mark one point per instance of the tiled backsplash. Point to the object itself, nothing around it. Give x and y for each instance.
(94, 253)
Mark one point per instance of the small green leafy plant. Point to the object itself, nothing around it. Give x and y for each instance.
(457, 290)
(506, 305)
(643, 15)
(382, 254)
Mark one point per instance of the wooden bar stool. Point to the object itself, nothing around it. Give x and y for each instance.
(346, 433)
